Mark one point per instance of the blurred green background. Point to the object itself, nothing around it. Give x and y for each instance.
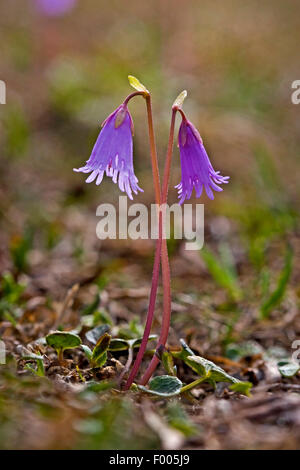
(65, 74)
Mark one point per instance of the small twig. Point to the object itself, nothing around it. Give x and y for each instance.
(66, 304)
(127, 365)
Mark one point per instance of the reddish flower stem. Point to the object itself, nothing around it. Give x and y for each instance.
(161, 250)
(164, 261)
(150, 313)
(153, 152)
(132, 95)
(155, 275)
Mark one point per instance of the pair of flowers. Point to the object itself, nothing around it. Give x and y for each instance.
(113, 154)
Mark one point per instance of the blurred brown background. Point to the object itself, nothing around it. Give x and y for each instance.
(64, 74)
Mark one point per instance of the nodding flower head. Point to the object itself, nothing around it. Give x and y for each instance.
(113, 153)
(196, 168)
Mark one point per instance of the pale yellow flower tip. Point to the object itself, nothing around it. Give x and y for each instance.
(136, 84)
(180, 99)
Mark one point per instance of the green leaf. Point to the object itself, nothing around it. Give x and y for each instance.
(99, 356)
(137, 342)
(203, 367)
(178, 419)
(288, 368)
(97, 387)
(93, 335)
(87, 351)
(11, 290)
(92, 307)
(237, 351)
(40, 370)
(168, 363)
(10, 293)
(268, 180)
(185, 351)
(137, 85)
(278, 294)
(118, 344)
(99, 361)
(33, 357)
(31, 369)
(134, 330)
(61, 340)
(163, 386)
(242, 387)
(222, 273)
(20, 247)
(208, 368)
(101, 316)
(199, 365)
(208, 371)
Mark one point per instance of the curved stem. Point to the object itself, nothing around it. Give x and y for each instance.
(155, 275)
(169, 158)
(132, 95)
(165, 261)
(154, 161)
(188, 387)
(184, 118)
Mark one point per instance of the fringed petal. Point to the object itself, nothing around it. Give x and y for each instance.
(113, 153)
(196, 169)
